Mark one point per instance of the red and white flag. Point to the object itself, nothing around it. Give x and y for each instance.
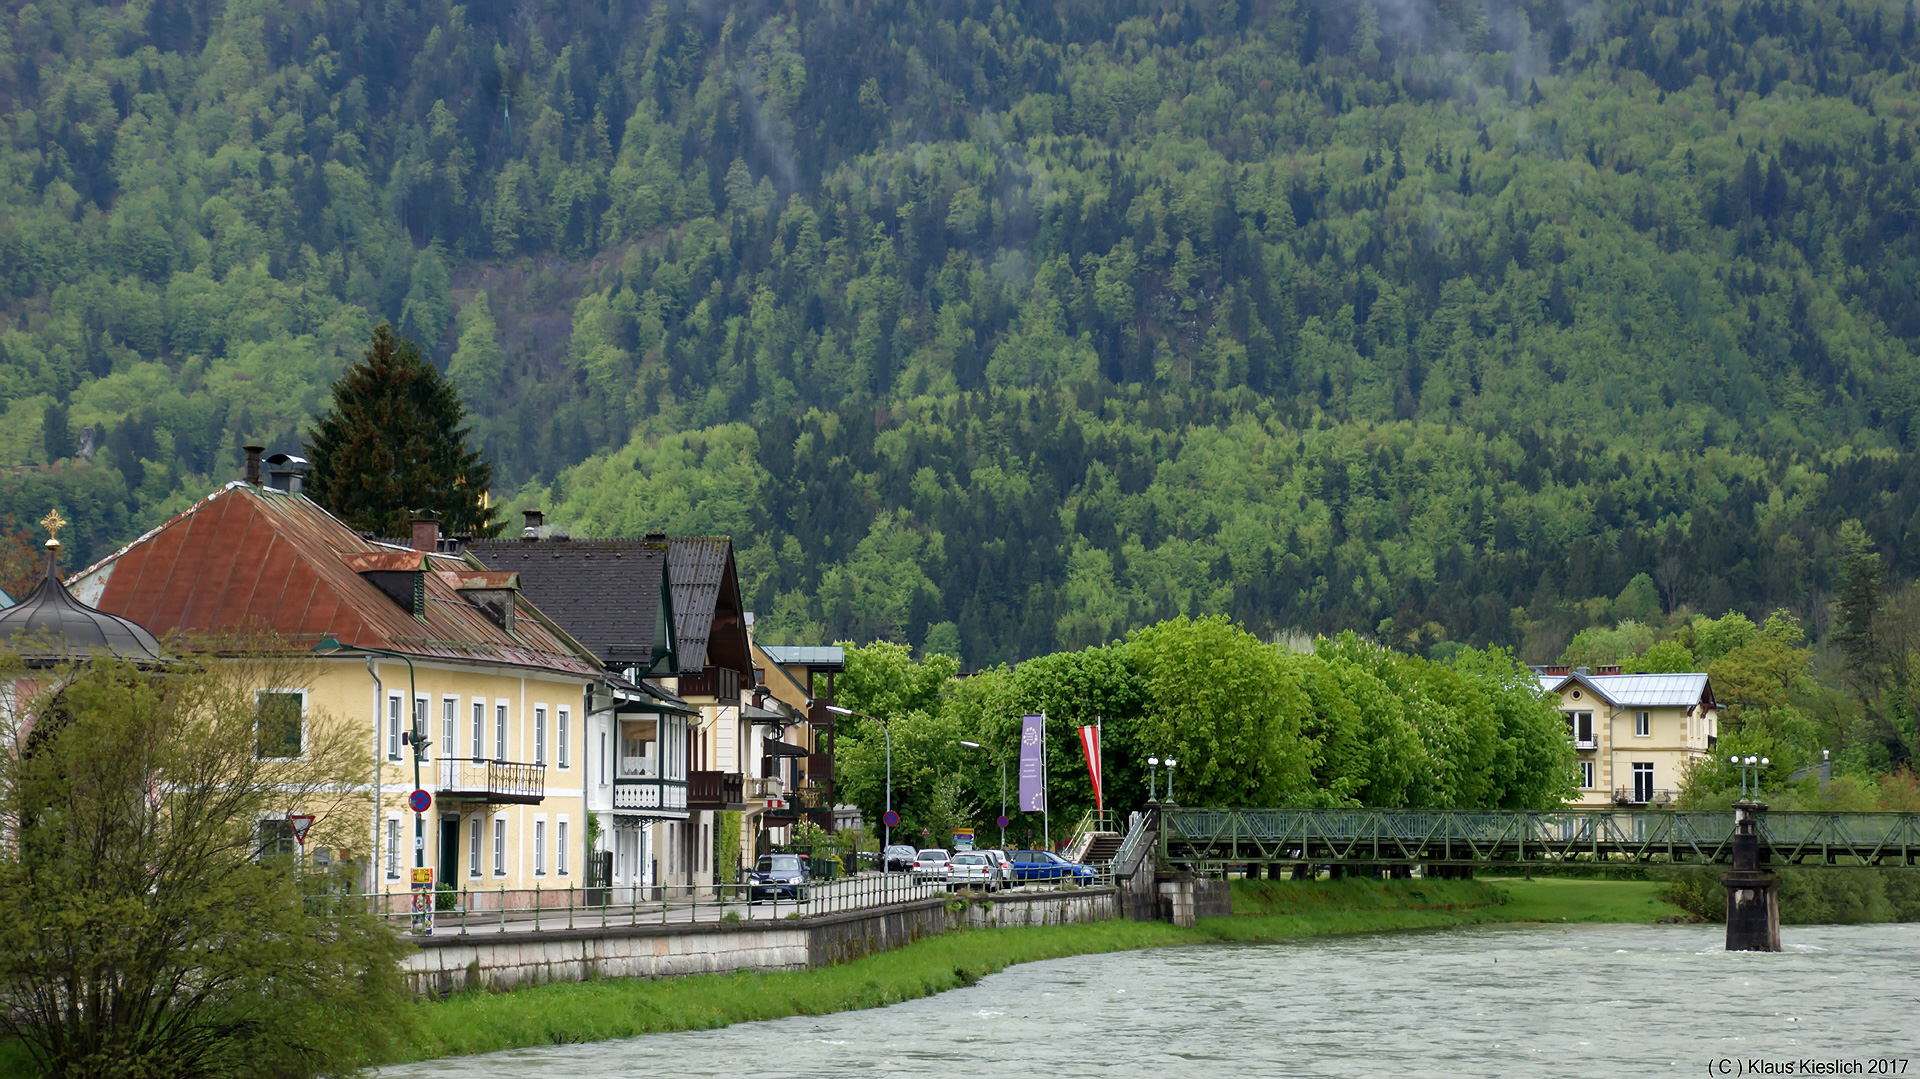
(1090, 742)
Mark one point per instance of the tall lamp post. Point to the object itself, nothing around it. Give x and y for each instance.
(1003, 784)
(888, 828)
(1153, 778)
(330, 643)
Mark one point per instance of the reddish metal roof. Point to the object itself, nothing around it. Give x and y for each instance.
(246, 559)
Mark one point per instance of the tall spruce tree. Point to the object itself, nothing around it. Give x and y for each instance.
(394, 442)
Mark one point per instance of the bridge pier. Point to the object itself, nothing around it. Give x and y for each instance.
(1753, 897)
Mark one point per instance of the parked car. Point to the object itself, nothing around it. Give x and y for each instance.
(778, 876)
(931, 862)
(1005, 863)
(1046, 865)
(975, 869)
(898, 858)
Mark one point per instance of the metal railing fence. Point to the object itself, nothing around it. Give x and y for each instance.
(503, 910)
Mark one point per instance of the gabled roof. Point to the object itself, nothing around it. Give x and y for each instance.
(708, 614)
(249, 559)
(606, 593)
(1638, 690)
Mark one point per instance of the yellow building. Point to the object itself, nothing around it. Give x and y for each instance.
(404, 638)
(1635, 736)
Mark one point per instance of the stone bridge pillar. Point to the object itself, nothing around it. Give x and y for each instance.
(1753, 897)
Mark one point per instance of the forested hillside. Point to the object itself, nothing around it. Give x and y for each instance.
(1005, 327)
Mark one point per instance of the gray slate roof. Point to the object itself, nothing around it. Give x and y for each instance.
(604, 593)
(706, 602)
(1637, 690)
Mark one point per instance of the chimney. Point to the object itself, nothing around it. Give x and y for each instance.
(287, 472)
(536, 527)
(657, 537)
(426, 531)
(1580, 670)
(253, 463)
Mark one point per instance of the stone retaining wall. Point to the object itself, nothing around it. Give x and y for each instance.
(450, 963)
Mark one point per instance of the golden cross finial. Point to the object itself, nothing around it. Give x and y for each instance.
(54, 523)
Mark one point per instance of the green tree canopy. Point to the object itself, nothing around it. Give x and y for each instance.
(393, 444)
(155, 926)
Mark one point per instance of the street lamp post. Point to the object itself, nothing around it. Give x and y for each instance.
(1153, 779)
(1003, 785)
(1170, 763)
(1750, 767)
(887, 828)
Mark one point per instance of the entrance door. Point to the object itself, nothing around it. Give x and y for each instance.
(449, 850)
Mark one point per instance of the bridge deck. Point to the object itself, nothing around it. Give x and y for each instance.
(1196, 837)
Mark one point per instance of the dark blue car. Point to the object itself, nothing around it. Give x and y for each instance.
(1046, 865)
(778, 876)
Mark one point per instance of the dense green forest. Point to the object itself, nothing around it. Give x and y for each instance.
(999, 328)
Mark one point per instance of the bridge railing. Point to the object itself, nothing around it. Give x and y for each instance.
(1543, 835)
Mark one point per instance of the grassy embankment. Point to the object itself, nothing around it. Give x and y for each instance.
(576, 1012)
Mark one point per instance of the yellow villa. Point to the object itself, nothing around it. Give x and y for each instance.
(405, 637)
(1634, 735)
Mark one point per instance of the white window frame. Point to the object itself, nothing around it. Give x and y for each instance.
(393, 846)
(422, 718)
(562, 727)
(300, 693)
(560, 838)
(474, 827)
(501, 714)
(539, 846)
(500, 845)
(393, 726)
(540, 735)
(1586, 775)
(449, 727)
(1643, 724)
(479, 728)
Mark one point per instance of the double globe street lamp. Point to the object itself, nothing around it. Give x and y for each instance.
(1153, 776)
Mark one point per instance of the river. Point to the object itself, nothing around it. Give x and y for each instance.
(1537, 1000)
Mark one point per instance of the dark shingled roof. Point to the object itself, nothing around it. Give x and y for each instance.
(706, 604)
(605, 593)
(53, 626)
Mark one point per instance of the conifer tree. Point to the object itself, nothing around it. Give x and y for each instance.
(395, 442)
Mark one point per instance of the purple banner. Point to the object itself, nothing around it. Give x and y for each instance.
(1033, 767)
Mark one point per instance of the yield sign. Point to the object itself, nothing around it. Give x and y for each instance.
(301, 823)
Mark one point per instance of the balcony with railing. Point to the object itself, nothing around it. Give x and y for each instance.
(803, 800)
(476, 779)
(716, 790)
(720, 683)
(1630, 796)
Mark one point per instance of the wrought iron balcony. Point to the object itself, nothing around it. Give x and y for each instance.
(716, 790)
(476, 779)
(1585, 743)
(1627, 796)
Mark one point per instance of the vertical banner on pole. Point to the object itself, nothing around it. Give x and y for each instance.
(1033, 780)
(1090, 744)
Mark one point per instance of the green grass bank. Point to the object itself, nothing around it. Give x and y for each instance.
(592, 1011)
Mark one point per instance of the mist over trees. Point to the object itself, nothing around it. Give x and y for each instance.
(1014, 327)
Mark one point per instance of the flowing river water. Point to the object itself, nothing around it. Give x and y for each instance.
(1536, 1000)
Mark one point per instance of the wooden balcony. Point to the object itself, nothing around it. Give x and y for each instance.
(716, 791)
(650, 797)
(717, 683)
(464, 779)
(820, 769)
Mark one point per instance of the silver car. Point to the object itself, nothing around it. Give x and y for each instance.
(975, 869)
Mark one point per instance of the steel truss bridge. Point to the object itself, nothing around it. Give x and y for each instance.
(1200, 839)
